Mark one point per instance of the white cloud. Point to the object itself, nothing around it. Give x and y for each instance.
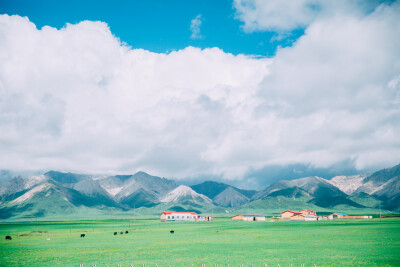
(195, 25)
(77, 99)
(275, 14)
(333, 91)
(281, 16)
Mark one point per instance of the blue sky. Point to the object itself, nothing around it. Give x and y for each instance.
(242, 91)
(156, 25)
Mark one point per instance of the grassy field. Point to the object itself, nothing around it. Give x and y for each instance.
(325, 243)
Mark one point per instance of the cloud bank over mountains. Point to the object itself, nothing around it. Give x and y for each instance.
(78, 99)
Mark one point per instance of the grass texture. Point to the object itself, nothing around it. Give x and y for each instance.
(374, 242)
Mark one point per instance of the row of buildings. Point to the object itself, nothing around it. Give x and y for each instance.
(303, 215)
(311, 215)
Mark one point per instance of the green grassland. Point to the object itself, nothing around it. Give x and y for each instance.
(374, 242)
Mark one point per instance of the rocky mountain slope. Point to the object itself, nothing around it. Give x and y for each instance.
(230, 198)
(348, 184)
(224, 194)
(316, 186)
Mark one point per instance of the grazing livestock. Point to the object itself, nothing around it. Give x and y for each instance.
(172, 231)
(8, 237)
(115, 233)
(126, 232)
(82, 235)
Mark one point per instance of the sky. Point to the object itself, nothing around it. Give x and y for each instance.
(245, 91)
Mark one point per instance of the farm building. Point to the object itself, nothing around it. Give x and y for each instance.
(178, 216)
(308, 212)
(248, 217)
(335, 216)
(204, 218)
(304, 217)
(289, 213)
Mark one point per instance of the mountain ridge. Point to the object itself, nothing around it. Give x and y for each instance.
(143, 191)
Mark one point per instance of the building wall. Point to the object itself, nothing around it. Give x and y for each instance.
(308, 212)
(311, 219)
(333, 217)
(357, 217)
(300, 217)
(247, 218)
(287, 215)
(204, 218)
(178, 217)
(237, 218)
(297, 218)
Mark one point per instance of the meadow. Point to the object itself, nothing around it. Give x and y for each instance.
(374, 242)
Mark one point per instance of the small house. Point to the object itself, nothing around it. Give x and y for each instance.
(178, 216)
(335, 216)
(248, 217)
(289, 213)
(204, 218)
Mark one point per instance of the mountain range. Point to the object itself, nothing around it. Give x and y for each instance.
(59, 194)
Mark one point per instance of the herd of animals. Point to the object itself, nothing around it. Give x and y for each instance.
(83, 235)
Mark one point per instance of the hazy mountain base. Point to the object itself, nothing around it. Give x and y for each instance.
(268, 207)
(55, 203)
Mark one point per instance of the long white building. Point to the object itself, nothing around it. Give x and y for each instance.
(178, 216)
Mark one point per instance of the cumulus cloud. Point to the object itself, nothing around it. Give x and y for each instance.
(195, 25)
(281, 16)
(78, 99)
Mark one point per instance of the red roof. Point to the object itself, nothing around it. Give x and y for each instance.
(170, 212)
(290, 211)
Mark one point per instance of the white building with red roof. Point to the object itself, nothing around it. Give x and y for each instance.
(178, 216)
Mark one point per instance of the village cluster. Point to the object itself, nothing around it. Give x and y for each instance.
(311, 215)
(303, 215)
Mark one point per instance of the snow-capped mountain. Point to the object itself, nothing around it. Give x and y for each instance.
(120, 191)
(18, 184)
(223, 194)
(314, 185)
(29, 194)
(185, 194)
(348, 184)
(119, 188)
